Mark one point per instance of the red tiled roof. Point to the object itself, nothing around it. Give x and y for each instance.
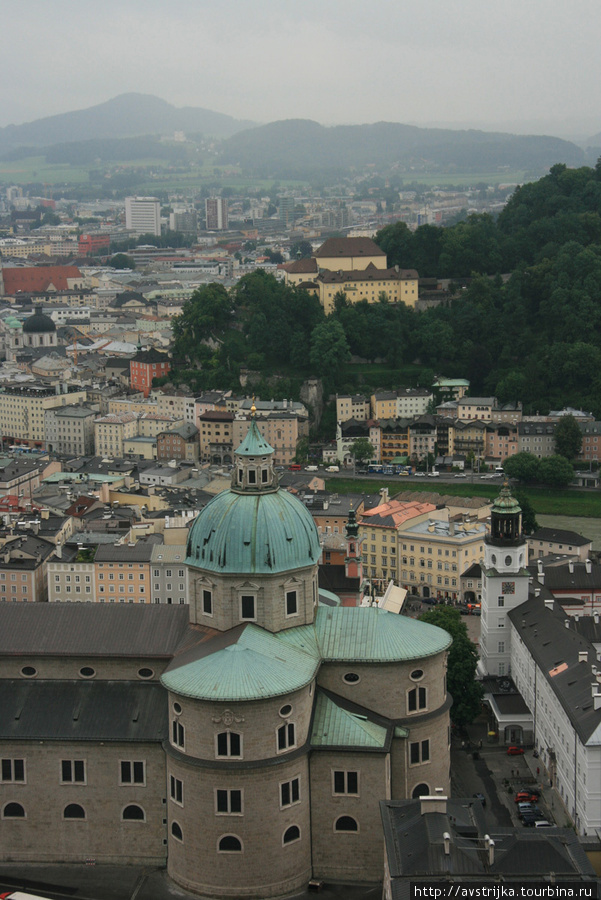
(37, 278)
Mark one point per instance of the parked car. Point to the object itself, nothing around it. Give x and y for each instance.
(526, 797)
(332, 468)
(528, 809)
(543, 823)
(515, 751)
(461, 475)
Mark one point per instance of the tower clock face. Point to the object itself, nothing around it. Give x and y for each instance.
(508, 587)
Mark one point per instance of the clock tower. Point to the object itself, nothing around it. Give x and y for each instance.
(505, 582)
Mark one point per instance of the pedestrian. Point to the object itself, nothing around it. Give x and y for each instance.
(538, 770)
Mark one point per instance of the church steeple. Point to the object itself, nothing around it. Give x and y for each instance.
(505, 520)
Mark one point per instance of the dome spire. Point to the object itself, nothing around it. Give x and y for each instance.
(253, 468)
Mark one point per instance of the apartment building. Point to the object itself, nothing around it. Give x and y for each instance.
(501, 441)
(216, 213)
(111, 431)
(349, 407)
(395, 439)
(282, 430)
(469, 408)
(70, 430)
(537, 438)
(215, 429)
(143, 215)
(435, 550)
(405, 403)
(145, 366)
(423, 437)
(378, 532)
(122, 573)
(23, 409)
(179, 443)
(24, 568)
(169, 574)
(469, 437)
(72, 579)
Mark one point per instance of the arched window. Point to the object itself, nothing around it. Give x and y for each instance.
(74, 811)
(291, 834)
(422, 790)
(229, 843)
(176, 831)
(133, 813)
(346, 823)
(229, 743)
(13, 811)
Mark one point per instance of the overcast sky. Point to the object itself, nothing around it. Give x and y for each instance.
(523, 65)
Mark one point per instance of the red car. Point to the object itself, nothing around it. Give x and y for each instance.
(525, 797)
(515, 751)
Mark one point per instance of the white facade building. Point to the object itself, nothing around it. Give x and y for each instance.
(143, 215)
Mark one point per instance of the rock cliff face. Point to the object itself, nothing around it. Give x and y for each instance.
(311, 394)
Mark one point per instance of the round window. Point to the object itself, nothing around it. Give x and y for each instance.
(29, 671)
(350, 678)
(508, 560)
(417, 674)
(285, 710)
(87, 672)
(145, 673)
(177, 708)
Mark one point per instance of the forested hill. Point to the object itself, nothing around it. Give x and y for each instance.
(535, 338)
(301, 147)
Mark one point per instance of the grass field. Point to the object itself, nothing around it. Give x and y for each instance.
(545, 501)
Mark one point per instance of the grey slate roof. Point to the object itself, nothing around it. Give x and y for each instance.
(557, 535)
(551, 645)
(91, 629)
(84, 711)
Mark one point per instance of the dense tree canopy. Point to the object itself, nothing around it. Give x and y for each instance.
(463, 659)
(532, 335)
(568, 437)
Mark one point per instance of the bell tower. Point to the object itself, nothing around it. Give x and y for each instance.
(505, 582)
(353, 563)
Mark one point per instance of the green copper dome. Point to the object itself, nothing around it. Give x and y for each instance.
(254, 527)
(506, 502)
(260, 533)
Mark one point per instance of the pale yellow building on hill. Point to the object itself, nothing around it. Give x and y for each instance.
(358, 268)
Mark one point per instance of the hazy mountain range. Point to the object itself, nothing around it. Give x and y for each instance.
(289, 148)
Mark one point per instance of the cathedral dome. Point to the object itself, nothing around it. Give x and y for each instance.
(254, 527)
(261, 533)
(38, 323)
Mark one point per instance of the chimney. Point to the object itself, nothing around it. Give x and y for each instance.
(540, 566)
(549, 602)
(589, 567)
(447, 843)
(582, 656)
(491, 849)
(596, 617)
(571, 566)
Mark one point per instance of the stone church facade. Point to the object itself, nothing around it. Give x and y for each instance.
(246, 740)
